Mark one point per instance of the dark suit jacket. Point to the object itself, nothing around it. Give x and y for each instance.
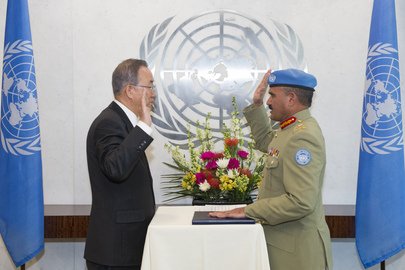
(121, 184)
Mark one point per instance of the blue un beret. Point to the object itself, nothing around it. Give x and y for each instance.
(292, 77)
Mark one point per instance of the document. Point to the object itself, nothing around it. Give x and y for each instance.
(203, 218)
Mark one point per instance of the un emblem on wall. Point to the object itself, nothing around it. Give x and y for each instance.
(382, 117)
(19, 110)
(208, 59)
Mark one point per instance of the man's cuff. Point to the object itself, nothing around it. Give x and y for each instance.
(148, 130)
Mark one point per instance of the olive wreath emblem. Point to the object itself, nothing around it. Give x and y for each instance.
(172, 128)
(291, 45)
(13, 145)
(16, 47)
(373, 145)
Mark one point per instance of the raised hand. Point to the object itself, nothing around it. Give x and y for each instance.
(147, 101)
(261, 89)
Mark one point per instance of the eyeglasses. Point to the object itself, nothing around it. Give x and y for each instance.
(152, 87)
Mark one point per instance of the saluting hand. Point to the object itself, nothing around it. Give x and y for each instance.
(261, 89)
(148, 99)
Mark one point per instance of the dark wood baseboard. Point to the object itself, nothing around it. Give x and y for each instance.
(66, 226)
(71, 221)
(341, 226)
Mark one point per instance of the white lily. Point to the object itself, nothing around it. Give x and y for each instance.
(223, 163)
(233, 174)
(204, 186)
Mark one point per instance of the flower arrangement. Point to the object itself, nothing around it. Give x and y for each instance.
(230, 175)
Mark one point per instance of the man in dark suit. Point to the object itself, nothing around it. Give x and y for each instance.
(121, 183)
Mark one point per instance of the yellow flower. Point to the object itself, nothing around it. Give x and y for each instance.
(188, 181)
(242, 182)
(226, 183)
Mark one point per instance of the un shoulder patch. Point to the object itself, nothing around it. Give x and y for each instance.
(303, 157)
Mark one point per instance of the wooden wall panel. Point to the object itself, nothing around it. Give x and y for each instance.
(75, 223)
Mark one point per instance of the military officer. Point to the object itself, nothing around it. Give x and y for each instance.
(290, 205)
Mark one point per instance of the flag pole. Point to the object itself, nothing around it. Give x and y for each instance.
(382, 264)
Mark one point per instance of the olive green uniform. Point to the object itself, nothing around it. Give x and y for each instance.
(290, 196)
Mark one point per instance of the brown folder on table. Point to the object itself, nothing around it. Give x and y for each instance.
(203, 218)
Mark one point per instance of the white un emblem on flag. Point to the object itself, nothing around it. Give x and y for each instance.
(20, 121)
(382, 118)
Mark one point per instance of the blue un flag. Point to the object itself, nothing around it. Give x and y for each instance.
(380, 206)
(21, 196)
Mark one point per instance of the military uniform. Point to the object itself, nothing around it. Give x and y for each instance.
(290, 196)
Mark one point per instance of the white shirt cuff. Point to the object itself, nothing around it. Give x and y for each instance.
(148, 130)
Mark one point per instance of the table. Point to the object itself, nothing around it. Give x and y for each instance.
(172, 243)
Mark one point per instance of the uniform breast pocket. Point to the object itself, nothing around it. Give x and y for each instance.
(271, 162)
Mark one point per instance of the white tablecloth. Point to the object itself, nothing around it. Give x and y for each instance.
(172, 243)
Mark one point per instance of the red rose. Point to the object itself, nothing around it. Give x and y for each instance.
(214, 182)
